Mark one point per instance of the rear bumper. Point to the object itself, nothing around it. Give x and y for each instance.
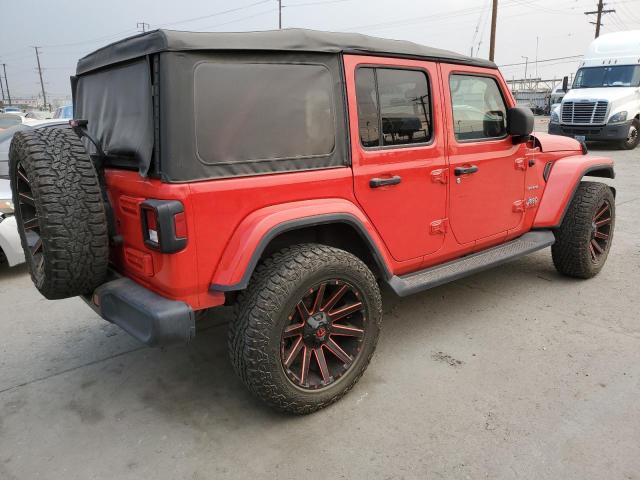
(152, 319)
(617, 131)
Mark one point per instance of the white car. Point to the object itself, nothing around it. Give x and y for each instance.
(10, 248)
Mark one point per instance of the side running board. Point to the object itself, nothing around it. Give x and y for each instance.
(476, 262)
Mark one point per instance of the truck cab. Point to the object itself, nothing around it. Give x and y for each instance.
(604, 103)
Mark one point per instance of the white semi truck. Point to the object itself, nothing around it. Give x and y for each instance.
(604, 101)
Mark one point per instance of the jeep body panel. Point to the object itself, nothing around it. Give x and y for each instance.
(565, 175)
(406, 204)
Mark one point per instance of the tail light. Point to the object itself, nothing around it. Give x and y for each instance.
(164, 226)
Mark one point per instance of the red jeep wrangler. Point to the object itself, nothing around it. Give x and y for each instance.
(291, 173)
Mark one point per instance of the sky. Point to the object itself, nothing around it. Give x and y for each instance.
(68, 29)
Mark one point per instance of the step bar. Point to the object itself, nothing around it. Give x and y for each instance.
(474, 263)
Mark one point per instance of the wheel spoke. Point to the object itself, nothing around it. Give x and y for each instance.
(31, 223)
(596, 246)
(302, 310)
(23, 177)
(335, 298)
(293, 330)
(334, 348)
(293, 353)
(346, 331)
(592, 251)
(319, 298)
(306, 360)
(344, 311)
(26, 199)
(606, 221)
(601, 212)
(322, 363)
(601, 235)
(36, 247)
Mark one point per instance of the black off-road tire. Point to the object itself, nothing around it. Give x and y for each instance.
(71, 220)
(571, 252)
(261, 314)
(633, 140)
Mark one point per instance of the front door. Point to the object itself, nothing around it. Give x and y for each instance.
(487, 170)
(398, 156)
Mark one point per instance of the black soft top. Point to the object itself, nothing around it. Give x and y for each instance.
(287, 40)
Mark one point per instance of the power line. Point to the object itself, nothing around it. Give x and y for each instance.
(542, 61)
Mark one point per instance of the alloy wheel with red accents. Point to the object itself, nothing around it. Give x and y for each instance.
(306, 327)
(325, 334)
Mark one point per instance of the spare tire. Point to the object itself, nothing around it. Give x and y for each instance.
(60, 212)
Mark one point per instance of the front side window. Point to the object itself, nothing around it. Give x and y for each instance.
(394, 102)
(479, 111)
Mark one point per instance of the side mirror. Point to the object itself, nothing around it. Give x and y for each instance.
(519, 123)
(565, 84)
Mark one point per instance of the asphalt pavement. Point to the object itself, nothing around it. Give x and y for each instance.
(513, 373)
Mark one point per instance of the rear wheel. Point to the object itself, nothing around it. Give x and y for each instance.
(633, 136)
(584, 238)
(59, 212)
(306, 327)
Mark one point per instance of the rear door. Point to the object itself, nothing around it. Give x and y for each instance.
(398, 152)
(487, 170)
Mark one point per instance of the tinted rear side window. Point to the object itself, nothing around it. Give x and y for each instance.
(396, 101)
(258, 112)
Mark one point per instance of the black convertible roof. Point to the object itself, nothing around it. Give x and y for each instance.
(292, 40)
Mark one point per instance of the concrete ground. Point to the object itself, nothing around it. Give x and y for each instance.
(513, 373)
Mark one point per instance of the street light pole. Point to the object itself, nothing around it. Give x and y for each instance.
(526, 66)
(279, 14)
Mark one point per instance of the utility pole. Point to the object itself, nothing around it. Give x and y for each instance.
(144, 26)
(599, 12)
(279, 14)
(494, 20)
(2, 88)
(526, 66)
(44, 95)
(6, 82)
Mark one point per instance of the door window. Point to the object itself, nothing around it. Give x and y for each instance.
(479, 111)
(395, 102)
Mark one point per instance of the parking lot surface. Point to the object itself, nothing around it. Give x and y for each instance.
(513, 373)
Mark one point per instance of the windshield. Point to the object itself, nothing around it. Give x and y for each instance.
(618, 76)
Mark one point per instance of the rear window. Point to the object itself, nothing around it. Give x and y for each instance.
(252, 112)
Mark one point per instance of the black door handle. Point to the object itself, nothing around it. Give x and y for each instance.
(465, 170)
(381, 182)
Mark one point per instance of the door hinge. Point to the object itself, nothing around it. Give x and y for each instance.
(439, 226)
(440, 175)
(520, 164)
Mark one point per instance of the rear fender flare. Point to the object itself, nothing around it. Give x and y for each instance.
(564, 179)
(258, 229)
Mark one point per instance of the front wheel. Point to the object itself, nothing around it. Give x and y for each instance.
(633, 136)
(584, 238)
(306, 328)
